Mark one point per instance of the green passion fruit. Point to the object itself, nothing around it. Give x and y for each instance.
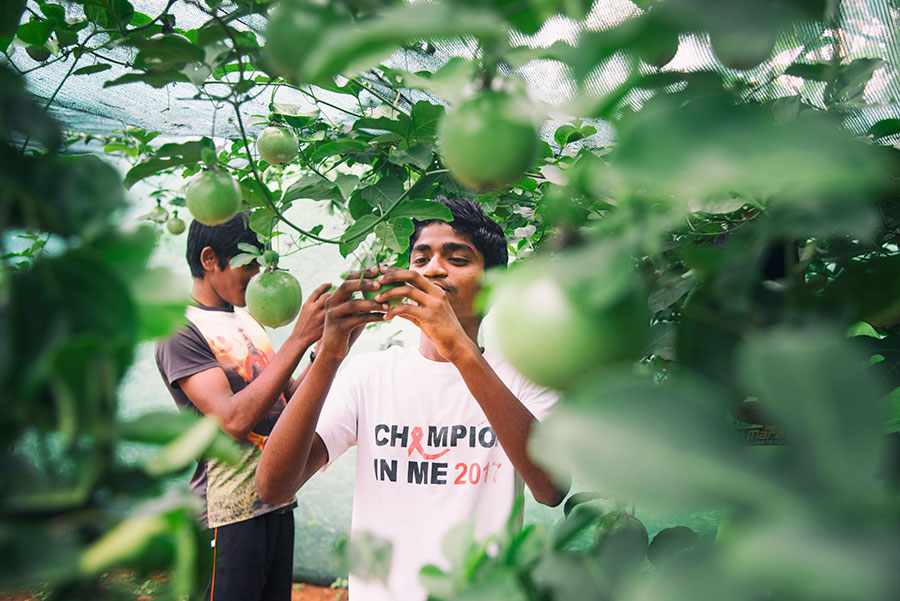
(742, 49)
(622, 529)
(277, 145)
(274, 298)
(371, 294)
(489, 140)
(554, 339)
(213, 197)
(175, 225)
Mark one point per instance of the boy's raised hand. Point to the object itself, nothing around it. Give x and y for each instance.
(345, 316)
(311, 321)
(430, 310)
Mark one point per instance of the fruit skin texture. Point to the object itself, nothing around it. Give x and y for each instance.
(488, 141)
(213, 197)
(624, 530)
(742, 50)
(277, 145)
(393, 302)
(274, 298)
(552, 340)
(175, 225)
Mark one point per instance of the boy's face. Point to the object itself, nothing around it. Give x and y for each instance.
(450, 260)
(230, 283)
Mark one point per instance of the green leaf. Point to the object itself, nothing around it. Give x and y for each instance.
(851, 80)
(399, 126)
(10, 16)
(667, 291)
(423, 121)
(563, 133)
(185, 449)
(350, 50)
(422, 210)
(156, 79)
(884, 128)
(53, 12)
(357, 232)
(166, 157)
(346, 185)
(34, 33)
(263, 221)
(395, 233)
(420, 155)
(161, 297)
(341, 146)
(814, 384)
(614, 428)
(311, 187)
(384, 193)
(814, 72)
(91, 69)
(670, 541)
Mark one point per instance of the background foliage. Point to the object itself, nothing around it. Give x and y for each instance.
(744, 207)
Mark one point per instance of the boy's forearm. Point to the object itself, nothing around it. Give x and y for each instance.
(511, 422)
(285, 462)
(249, 405)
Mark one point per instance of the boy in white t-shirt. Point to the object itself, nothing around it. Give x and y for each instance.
(441, 430)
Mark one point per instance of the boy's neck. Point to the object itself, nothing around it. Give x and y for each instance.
(204, 294)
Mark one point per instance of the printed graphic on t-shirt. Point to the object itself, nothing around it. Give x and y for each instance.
(435, 464)
(242, 350)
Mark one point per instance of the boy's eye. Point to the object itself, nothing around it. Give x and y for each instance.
(419, 260)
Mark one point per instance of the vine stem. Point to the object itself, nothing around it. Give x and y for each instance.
(378, 95)
(270, 204)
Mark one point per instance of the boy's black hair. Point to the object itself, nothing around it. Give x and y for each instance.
(222, 238)
(470, 220)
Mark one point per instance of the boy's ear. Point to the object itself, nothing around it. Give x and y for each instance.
(208, 259)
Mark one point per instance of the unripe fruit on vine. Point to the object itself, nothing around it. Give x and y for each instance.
(270, 258)
(277, 145)
(554, 339)
(660, 50)
(175, 225)
(626, 530)
(274, 298)
(489, 140)
(371, 294)
(158, 214)
(742, 50)
(213, 197)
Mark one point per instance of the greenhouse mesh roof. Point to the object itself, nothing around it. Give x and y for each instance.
(84, 105)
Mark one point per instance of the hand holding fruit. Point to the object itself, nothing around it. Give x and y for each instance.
(430, 310)
(311, 322)
(345, 315)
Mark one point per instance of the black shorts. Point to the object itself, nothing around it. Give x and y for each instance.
(253, 559)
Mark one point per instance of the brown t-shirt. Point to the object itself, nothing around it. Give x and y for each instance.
(229, 339)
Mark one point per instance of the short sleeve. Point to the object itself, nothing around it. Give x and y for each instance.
(337, 426)
(537, 399)
(185, 354)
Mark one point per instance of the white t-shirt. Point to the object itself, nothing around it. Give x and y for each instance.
(427, 458)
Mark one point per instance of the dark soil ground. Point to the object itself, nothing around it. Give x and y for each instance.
(147, 589)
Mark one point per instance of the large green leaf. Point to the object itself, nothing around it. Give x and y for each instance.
(710, 148)
(614, 432)
(385, 193)
(10, 15)
(168, 156)
(349, 50)
(814, 384)
(423, 210)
